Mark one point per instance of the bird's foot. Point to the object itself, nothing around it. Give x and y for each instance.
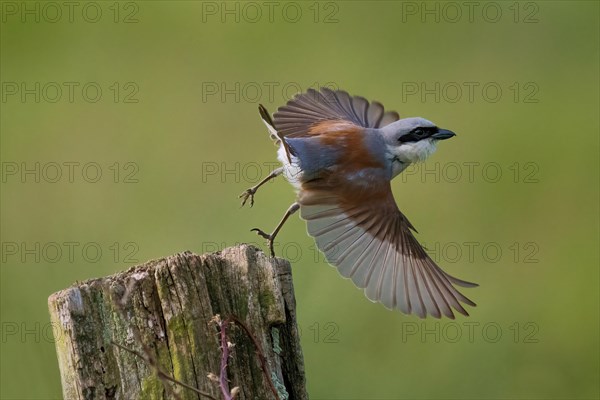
(248, 194)
(270, 238)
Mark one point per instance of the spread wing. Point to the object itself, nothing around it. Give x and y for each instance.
(368, 239)
(306, 110)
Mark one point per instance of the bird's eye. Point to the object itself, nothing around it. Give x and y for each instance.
(418, 133)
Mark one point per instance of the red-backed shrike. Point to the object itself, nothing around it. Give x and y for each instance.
(340, 152)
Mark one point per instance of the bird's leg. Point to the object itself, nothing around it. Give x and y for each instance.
(271, 237)
(249, 193)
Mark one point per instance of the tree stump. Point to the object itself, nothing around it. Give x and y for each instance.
(163, 310)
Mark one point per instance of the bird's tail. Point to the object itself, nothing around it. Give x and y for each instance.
(268, 121)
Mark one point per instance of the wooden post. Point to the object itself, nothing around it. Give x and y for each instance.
(110, 330)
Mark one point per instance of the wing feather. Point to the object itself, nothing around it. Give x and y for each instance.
(402, 286)
(307, 109)
(373, 245)
(440, 300)
(428, 291)
(375, 113)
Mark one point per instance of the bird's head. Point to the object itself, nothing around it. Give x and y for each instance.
(412, 140)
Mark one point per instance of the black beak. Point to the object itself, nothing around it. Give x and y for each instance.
(442, 134)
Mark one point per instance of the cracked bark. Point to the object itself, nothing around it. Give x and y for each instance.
(171, 302)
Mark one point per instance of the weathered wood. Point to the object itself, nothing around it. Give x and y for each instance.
(169, 305)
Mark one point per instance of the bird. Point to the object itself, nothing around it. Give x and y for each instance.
(341, 152)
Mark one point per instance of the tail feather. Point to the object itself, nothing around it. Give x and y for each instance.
(268, 121)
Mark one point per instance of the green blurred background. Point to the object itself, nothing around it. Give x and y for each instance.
(180, 85)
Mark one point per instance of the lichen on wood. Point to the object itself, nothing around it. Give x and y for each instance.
(168, 304)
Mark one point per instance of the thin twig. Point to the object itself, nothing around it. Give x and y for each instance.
(162, 373)
(223, 381)
(259, 352)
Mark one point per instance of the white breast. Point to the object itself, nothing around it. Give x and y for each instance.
(291, 171)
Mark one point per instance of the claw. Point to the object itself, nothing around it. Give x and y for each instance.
(260, 232)
(249, 193)
(267, 236)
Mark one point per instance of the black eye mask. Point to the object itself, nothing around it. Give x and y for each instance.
(419, 133)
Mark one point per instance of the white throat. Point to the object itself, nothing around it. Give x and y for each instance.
(412, 152)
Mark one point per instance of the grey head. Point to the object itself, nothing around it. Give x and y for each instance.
(412, 140)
